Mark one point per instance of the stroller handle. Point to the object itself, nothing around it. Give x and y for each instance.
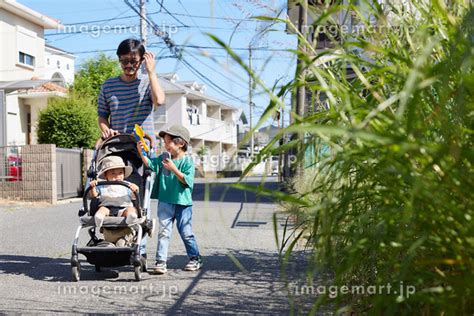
(145, 135)
(136, 202)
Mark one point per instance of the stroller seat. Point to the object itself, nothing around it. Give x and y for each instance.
(109, 221)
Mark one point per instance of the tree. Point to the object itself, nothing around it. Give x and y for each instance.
(68, 123)
(93, 73)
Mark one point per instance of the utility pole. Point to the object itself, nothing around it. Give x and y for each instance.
(143, 22)
(250, 102)
(301, 92)
(302, 27)
(280, 142)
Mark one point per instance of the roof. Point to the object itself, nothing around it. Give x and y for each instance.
(48, 87)
(21, 84)
(243, 117)
(62, 51)
(172, 86)
(33, 88)
(30, 15)
(270, 130)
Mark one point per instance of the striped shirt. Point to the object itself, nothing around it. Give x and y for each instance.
(125, 104)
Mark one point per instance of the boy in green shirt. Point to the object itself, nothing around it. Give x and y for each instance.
(173, 188)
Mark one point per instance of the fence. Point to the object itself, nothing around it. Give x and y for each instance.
(42, 172)
(10, 163)
(68, 172)
(38, 174)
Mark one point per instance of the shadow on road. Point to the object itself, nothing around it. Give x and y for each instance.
(222, 192)
(49, 269)
(252, 273)
(230, 282)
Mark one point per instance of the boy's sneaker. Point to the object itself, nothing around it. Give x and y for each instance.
(159, 268)
(194, 264)
(143, 262)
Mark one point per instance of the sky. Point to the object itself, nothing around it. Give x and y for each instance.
(94, 26)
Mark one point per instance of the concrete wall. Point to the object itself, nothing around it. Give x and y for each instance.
(39, 181)
(39, 175)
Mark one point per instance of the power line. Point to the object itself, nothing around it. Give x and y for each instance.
(119, 27)
(148, 14)
(158, 45)
(101, 24)
(178, 53)
(156, 29)
(171, 14)
(211, 17)
(194, 22)
(154, 13)
(210, 82)
(103, 50)
(157, 57)
(261, 48)
(218, 72)
(108, 20)
(95, 30)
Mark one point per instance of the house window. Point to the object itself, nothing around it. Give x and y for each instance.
(161, 115)
(47, 61)
(26, 59)
(58, 63)
(58, 79)
(67, 66)
(193, 115)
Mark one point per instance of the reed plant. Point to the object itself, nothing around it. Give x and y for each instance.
(386, 197)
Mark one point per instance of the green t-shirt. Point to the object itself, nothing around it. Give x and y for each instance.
(168, 188)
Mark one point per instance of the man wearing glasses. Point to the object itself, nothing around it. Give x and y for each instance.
(128, 99)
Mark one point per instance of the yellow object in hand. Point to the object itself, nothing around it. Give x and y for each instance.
(141, 134)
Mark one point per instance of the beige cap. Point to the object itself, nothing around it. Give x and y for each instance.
(114, 162)
(177, 130)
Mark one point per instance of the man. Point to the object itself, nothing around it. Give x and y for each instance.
(128, 100)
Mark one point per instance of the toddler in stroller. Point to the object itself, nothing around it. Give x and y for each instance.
(114, 200)
(127, 201)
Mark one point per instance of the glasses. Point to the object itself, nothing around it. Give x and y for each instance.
(133, 62)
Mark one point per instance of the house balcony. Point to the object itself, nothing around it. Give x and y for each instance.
(211, 129)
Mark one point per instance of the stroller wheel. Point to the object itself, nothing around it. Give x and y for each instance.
(138, 272)
(97, 268)
(143, 263)
(76, 273)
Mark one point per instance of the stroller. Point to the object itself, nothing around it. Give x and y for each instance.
(98, 251)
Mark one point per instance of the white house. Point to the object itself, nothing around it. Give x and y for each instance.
(25, 78)
(59, 66)
(211, 122)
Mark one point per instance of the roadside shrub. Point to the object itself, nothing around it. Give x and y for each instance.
(68, 122)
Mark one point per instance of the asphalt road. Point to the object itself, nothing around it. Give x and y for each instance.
(235, 233)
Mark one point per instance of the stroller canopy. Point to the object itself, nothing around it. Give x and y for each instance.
(122, 145)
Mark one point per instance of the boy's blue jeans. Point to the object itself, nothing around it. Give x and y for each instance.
(167, 213)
